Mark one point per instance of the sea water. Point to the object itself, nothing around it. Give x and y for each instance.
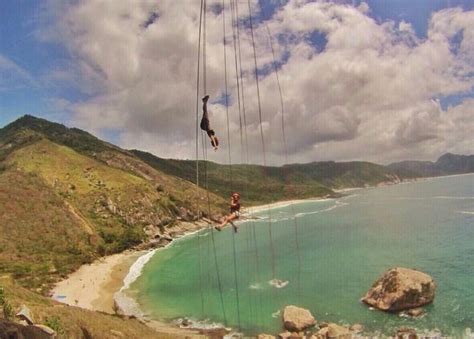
(324, 256)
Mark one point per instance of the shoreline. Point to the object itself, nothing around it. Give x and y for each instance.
(98, 285)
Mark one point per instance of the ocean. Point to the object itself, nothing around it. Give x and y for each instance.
(325, 261)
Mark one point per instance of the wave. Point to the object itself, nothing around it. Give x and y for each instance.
(129, 305)
(205, 324)
(466, 212)
(255, 286)
(453, 197)
(125, 303)
(278, 283)
(336, 205)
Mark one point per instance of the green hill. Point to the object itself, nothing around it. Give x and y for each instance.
(67, 198)
(267, 184)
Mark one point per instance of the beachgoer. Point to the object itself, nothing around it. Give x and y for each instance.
(205, 125)
(234, 212)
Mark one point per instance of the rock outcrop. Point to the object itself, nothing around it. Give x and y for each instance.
(297, 319)
(9, 329)
(400, 289)
(338, 331)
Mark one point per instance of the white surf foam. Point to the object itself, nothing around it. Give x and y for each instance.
(278, 283)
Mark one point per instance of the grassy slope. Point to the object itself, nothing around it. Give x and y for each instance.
(67, 198)
(39, 239)
(70, 321)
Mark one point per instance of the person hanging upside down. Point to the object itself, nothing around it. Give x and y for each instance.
(205, 125)
(234, 212)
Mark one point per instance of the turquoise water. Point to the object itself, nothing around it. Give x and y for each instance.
(344, 246)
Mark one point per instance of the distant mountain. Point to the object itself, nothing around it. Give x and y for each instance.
(447, 164)
(260, 184)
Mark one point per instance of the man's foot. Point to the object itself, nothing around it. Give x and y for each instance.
(218, 228)
(234, 227)
(204, 99)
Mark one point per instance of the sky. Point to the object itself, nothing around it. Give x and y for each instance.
(374, 80)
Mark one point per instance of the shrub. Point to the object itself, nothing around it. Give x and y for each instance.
(5, 305)
(55, 323)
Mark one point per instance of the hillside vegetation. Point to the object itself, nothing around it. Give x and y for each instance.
(71, 322)
(67, 198)
(260, 184)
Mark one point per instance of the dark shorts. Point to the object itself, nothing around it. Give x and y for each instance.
(205, 124)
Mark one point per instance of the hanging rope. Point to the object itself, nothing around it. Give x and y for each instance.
(202, 29)
(197, 155)
(230, 159)
(226, 98)
(295, 222)
(272, 247)
(252, 224)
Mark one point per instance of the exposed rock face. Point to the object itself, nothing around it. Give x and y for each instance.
(297, 319)
(400, 289)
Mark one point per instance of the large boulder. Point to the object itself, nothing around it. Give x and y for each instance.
(297, 319)
(400, 289)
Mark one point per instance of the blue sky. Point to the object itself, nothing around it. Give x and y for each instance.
(21, 19)
(32, 64)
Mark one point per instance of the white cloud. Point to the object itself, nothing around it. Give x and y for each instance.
(13, 76)
(366, 95)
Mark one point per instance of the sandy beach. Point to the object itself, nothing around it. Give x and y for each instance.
(93, 286)
(255, 209)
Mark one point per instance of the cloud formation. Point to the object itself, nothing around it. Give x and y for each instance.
(12, 76)
(354, 88)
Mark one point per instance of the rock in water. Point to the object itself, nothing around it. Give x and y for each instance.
(400, 289)
(265, 336)
(297, 319)
(337, 331)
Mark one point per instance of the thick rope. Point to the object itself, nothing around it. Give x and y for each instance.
(197, 156)
(234, 38)
(252, 225)
(227, 98)
(272, 247)
(295, 222)
(230, 159)
(204, 149)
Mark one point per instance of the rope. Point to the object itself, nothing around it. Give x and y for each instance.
(242, 83)
(216, 262)
(202, 28)
(226, 97)
(197, 155)
(230, 160)
(234, 38)
(295, 222)
(252, 225)
(204, 66)
(272, 247)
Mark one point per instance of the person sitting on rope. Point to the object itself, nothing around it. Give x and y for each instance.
(205, 125)
(234, 212)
